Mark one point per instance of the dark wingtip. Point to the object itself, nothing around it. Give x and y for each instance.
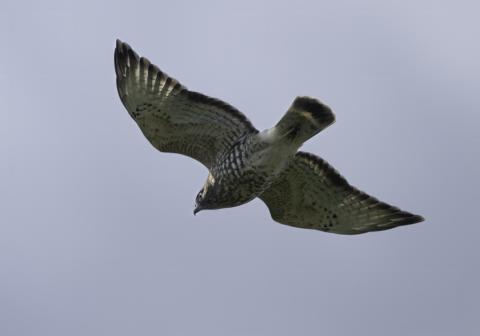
(123, 55)
(121, 47)
(119, 58)
(413, 219)
(407, 218)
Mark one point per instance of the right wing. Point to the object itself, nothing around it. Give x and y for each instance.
(313, 195)
(172, 118)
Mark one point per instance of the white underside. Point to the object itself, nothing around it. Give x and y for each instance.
(274, 157)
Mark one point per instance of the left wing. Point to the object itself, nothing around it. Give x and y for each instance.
(173, 118)
(313, 195)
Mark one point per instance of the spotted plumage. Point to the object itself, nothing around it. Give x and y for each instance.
(300, 189)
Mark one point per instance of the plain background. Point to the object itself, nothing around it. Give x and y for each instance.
(97, 235)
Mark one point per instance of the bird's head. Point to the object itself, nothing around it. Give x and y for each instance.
(206, 196)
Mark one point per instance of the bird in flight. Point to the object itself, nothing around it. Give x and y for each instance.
(300, 189)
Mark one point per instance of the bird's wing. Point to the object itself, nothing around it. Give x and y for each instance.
(173, 118)
(311, 194)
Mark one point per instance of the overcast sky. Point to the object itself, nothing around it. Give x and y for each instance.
(97, 235)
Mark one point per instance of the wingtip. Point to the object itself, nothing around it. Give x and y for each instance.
(119, 44)
(411, 219)
(418, 219)
(124, 56)
(119, 58)
(122, 47)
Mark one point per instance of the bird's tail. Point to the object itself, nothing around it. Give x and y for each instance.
(305, 118)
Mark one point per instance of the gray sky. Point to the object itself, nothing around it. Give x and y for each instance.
(97, 235)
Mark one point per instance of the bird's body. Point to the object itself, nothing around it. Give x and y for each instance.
(249, 168)
(299, 188)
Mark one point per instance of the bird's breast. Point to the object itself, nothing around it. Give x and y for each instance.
(249, 168)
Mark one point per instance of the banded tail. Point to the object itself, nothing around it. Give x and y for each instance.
(305, 118)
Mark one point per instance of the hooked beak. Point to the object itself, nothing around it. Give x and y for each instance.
(198, 208)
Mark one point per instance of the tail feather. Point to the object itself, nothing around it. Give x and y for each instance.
(305, 118)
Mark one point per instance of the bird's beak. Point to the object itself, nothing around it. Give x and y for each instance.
(198, 208)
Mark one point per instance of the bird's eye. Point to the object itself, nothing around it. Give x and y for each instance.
(200, 196)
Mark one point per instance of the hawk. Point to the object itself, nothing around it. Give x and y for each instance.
(300, 189)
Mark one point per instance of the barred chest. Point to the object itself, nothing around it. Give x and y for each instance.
(248, 169)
